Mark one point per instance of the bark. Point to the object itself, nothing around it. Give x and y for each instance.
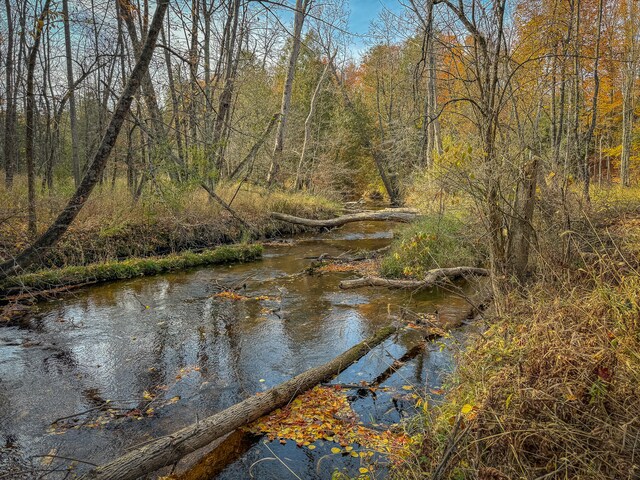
(379, 216)
(274, 169)
(522, 231)
(629, 74)
(307, 128)
(10, 132)
(174, 99)
(49, 238)
(431, 140)
(167, 450)
(30, 130)
(586, 173)
(151, 100)
(225, 100)
(194, 60)
(75, 160)
(432, 279)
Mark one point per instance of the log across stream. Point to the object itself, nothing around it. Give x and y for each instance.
(135, 360)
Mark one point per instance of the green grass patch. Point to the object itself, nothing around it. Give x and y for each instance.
(134, 267)
(433, 242)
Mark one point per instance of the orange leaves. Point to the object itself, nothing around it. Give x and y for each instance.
(231, 295)
(324, 413)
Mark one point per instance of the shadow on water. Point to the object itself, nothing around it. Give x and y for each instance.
(147, 356)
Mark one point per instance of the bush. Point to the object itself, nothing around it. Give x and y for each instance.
(433, 242)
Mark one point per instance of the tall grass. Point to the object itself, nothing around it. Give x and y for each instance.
(551, 389)
(169, 219)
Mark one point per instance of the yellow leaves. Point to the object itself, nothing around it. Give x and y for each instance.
(324, 413)
(311, 447)
(407, 387)
(364, 470)
(148, 396)
(236, 297)
(230, 295)
(469, 411)
(173, 400)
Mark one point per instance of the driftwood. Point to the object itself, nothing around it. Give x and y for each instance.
(167, 450)
(433, 278)
(373, 216)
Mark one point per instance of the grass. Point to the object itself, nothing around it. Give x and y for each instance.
(435, 241)
(173, 219)
(551, 389)
(134, 267)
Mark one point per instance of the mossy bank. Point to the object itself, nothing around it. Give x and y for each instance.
(130, 268)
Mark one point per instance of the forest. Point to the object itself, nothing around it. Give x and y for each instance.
(321, 239)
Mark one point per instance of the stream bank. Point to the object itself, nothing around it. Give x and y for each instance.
(121, 363)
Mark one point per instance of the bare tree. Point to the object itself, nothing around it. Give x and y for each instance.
(302, 7)
(94, 172)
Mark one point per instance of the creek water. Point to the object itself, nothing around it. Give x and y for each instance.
(169, 344)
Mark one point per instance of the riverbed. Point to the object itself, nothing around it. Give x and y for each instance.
(93, 374)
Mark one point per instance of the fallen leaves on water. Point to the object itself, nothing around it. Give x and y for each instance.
(236, 297)
(324, 413)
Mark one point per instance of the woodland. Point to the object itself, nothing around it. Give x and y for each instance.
(497, 139)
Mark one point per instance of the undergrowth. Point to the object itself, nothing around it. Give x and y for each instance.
(170, 219)
(435, 241)
(551, 388)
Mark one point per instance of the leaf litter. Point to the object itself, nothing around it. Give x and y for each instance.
(324, 413)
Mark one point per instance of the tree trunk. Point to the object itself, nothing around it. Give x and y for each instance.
(95, 170)
(586, 173)
(307, 127)
(10, 132)
(167, 450)
(431, 279)
(75, 160)
(274, 169)
(377, 216)
(629, 74)
(30, 130)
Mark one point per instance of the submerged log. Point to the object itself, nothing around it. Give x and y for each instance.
(433, 278)
(373, 216)
(167, 450)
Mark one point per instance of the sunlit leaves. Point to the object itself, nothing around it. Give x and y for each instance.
(324, 413)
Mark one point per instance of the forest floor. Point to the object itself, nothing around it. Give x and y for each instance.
(551, 388)
(111, 228)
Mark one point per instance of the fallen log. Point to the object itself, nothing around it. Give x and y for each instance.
(167, 450)
(433, 278)
(373, 216)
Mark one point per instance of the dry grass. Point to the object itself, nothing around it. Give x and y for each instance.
(554, 380)
(111, 227)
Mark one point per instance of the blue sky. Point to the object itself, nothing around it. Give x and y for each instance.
(362, 13)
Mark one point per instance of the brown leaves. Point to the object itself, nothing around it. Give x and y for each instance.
(324, 413)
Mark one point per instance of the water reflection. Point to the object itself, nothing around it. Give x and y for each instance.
(169, 338)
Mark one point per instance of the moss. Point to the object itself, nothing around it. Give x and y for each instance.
(134, 267)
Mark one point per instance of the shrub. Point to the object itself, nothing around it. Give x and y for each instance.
(433, 242)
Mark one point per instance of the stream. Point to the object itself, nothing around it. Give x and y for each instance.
(166, 343)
